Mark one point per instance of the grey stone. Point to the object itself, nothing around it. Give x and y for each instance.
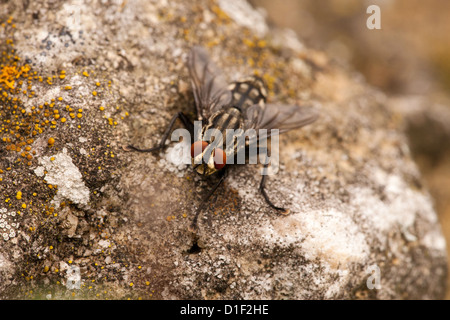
(355, 195)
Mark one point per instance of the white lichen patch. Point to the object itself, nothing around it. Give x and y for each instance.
(61, 172)
(176, 159)
(288, 38)
(401, 208)
(330, 235)
(244, 15)
(179, 154)
(433, 240)
(52, 92)
(8, 224)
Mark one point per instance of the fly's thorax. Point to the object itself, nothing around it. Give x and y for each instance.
(218, 142)
(221, 128)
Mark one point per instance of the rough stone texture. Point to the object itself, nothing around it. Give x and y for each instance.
(355, 195)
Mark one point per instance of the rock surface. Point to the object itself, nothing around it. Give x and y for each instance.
(116, 73)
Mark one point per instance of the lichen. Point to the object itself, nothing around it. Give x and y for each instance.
(8, 224)
(61, 172)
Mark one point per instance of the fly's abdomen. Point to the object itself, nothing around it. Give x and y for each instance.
(248, 92)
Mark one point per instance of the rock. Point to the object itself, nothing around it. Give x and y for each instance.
(72, 223)
(426, 124)
(361, 223)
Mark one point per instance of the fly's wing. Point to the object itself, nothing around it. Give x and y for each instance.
(280, 116)
(210, 87)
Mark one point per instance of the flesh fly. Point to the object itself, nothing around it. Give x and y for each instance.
(224, 108)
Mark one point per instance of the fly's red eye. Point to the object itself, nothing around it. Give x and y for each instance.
(220, 158)
(198, 147)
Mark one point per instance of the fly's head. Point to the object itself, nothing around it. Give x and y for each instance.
(206, 158)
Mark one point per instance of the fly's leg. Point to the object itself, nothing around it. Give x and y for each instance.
(193, 227)
(266, 197)
(186, 122)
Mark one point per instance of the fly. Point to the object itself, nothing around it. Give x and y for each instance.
(222, 107)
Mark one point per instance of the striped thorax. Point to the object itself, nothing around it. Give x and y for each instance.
(218, 141)
(220, 137)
